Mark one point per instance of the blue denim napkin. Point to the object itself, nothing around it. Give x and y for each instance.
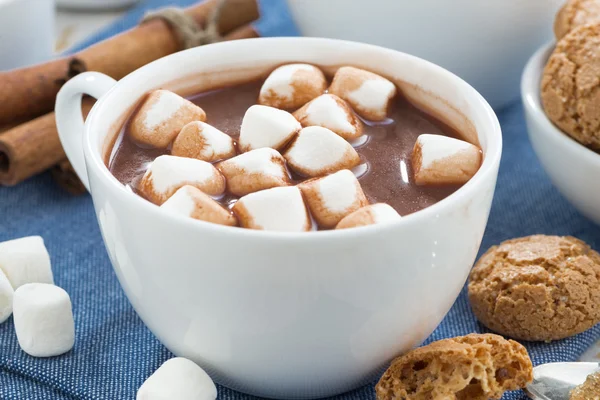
(114, 352)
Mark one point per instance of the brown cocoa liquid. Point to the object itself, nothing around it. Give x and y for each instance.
(387, 151)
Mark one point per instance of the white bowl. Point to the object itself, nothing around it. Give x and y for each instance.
(573, 168)
(485, 42)
(284, 315)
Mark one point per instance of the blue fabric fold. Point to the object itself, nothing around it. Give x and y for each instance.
(114, 352)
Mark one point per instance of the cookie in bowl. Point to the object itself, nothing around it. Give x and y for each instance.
(570, 85)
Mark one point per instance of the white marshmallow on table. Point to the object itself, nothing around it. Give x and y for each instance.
(317, 151)
(6, 297)
(439, 160)
(167, 173)
(368, 93)
(161, 117)
(204, 142)
(25, 260)
(43, 320)
(178, 379)
(191, 202)
(379, 213)
(278, 209)
(291, 86)
(253, 171)
(333, 113)
(331, 198)
(265, 126)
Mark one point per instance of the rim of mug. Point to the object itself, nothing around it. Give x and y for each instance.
(486, 172)
(530, 94)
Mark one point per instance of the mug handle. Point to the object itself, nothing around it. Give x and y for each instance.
(69, 119)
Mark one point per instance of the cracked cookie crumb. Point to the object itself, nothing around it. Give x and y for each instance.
(589, 390)
(472, 367)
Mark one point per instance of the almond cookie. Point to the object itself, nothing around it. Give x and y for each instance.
(571, 85)
(537, 288)
(576, 13)
(472, 367)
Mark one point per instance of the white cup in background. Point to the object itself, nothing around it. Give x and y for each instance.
(94, 4)
(26, 32)
(485, 42)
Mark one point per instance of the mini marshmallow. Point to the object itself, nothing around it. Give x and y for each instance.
(331, 198)
(291, 86)
(204, 142)
(191, 202)
(265, 126)
(167, 173)
(439, 160)
(25, 260)
(178, 379)
(278, 209)
(379, 213)
(253, 171)
(161, 117)
(333, 113)
(43, 320)
(6, 297)
(368, 93)
(317, 151)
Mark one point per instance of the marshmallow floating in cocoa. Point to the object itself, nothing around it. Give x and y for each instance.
(178, 378)
(204, 142)
(43, 319)
(317, 151)
(438, 159)
(331, 198)
(372, 214)
(192, 202)
(6, 297)
(333, 113)
(265, 126)
(167, 173)
(291, 86)
(161, 117)
(253, 171)
(25, 260)
(368, 93)
(278, 209)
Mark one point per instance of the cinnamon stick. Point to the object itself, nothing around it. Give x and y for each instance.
(66, 177)
(32, 147)
(244, 32)
(30, 92)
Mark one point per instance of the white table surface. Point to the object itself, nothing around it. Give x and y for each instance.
(74, 26)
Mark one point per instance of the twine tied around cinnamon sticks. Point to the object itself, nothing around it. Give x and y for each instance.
(189, 32)
(30, 143)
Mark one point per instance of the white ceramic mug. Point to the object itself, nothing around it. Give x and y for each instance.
(284, 315)
(26, 32)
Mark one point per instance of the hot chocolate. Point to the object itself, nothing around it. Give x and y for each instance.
(385, 147)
